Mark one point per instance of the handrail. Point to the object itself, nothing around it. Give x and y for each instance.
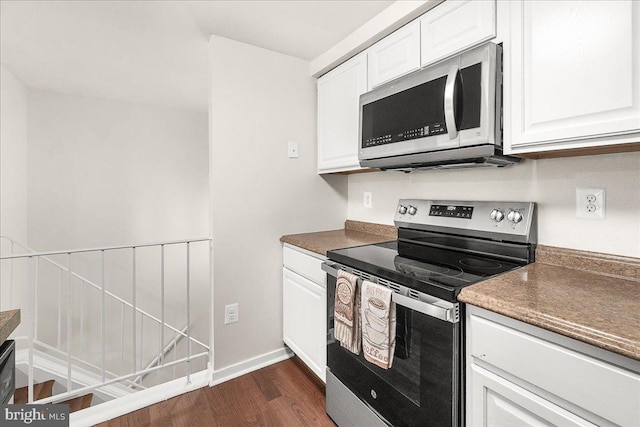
(71, 280)
(98, 249)
(160, 356)
(110, 294)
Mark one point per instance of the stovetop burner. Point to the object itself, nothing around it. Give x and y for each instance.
(482, 264)
(425, 270)
(437, 271)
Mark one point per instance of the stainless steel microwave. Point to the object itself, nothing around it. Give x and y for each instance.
(447, 115)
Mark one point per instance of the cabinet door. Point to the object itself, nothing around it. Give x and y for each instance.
(395, 55)
(338, 115)
(494, 401)
(304, 320)
(454, 26)
(571, 75)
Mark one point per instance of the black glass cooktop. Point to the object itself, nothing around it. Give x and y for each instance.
(436, 271)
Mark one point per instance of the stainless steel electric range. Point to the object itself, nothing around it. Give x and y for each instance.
(442, 247)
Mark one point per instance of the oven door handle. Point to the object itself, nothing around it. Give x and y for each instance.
(433, 306)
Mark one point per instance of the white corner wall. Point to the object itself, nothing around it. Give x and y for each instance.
(104, 172)
(260, 100)
(551, 183)
(13, 185)
(13, 156)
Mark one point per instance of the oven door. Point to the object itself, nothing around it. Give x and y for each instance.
(423, 387)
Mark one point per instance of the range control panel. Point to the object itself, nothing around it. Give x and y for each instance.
(481, 219)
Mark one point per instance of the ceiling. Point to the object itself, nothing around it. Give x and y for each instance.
(156, 52)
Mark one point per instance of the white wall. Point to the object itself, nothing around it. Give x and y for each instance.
(104, 172)
(260, 100)
(13, 156)
(550, 183)
(13, 180)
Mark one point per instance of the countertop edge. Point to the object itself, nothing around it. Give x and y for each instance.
(540, 320)
(9, 321)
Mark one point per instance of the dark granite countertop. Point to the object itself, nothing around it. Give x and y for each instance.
(591, 297)
(355, 233)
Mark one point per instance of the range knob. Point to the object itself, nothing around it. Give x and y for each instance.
(402, 209)
(514, 216)
(497, 215)
(412, 210)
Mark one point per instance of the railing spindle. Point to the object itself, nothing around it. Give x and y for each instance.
(69, 319)
(141, 364)
(35, 299)
(133, 303)
(103, 316)
(32, 320)
(122, 334)
(162, 304)
(82, 319)
(60, 310)
(11, 283)
(188, 315)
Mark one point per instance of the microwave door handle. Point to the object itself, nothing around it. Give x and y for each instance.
(449, 110)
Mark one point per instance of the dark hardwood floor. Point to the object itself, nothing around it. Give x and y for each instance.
(283, 394)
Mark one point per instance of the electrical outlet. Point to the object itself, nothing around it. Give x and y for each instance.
(367, 199)
(231, 313)
(590, 203)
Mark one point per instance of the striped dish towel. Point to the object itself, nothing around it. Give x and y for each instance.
(347, 312)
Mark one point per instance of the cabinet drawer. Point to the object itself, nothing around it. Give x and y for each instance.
(595, 386)
(305, 264)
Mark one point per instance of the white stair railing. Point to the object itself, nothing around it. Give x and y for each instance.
(66, 278)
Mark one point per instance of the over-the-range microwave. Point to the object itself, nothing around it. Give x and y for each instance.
(447, 115)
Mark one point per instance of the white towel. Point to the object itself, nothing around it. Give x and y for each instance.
(378, 324)
(347, 312)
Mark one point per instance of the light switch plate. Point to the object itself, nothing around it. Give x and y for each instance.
(292, 147)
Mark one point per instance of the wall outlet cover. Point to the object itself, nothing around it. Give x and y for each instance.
(231, 314)
(590, 203)
(367, 202)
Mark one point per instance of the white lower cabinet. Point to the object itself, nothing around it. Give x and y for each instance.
(498, 402)
(304, 308)
(521, 375)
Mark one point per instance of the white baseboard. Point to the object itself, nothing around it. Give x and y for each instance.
(121, 406)
(250, 365)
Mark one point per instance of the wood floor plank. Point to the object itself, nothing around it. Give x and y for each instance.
(279, 395)
(40, 391)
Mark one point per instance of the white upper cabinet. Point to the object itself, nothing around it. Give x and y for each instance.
(395, 55)
(571, 74)
(338, 118)
(456, 25)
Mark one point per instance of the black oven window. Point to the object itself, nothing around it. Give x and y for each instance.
(405, 373)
